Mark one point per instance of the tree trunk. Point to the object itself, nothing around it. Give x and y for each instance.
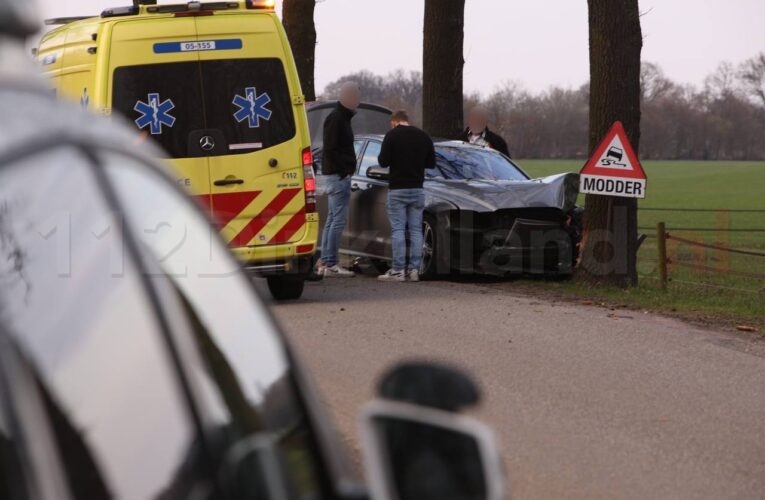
(609, 246)
(442, 67)
(297, 17)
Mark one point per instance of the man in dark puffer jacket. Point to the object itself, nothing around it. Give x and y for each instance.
(338, 165)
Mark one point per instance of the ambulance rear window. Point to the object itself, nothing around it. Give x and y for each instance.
(244, 103)
(163, 101)
(249, 101)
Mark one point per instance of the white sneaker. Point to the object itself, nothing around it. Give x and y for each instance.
(337, 271)
(318, 272)
(392, 275)
(413, 275)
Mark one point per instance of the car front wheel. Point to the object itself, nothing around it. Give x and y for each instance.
(428, 268)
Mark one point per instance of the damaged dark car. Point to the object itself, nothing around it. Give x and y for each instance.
(483, 213)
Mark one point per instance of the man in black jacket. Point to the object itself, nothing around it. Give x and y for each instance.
(478, 132)
(408, 151)
(338, 165)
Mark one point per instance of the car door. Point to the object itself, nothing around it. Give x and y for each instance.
(74, 300)
(322, 198)
(371, 227)
(241, 374)
(26, 440)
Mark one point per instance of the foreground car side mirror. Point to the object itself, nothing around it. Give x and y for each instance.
(415, 444)
(255, 468)
(413, 452)
(430, 384)
(379, 173)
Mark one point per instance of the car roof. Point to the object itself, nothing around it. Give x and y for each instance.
(315, 105)
(451, 143)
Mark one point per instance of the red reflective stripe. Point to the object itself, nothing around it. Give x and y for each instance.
(204, 202)
(226, 206)
(290, 228)
(263, 218)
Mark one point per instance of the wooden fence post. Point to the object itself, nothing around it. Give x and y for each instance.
(661, 237)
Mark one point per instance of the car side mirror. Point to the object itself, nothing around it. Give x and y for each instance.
(379, 173)
(255, 468)
(413, 452)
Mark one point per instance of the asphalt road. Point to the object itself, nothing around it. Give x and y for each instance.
(588, 403)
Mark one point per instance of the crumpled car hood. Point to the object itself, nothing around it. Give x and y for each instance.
(556, 191)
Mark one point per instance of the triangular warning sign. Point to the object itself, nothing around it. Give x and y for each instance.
(615, 157)
(614, 169)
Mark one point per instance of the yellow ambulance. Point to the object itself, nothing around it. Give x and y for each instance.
(215, 85)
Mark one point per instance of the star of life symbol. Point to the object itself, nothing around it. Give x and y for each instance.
(154, 114)
(252, 107)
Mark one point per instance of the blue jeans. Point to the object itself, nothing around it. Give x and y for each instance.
(405, 208)
(338, 196)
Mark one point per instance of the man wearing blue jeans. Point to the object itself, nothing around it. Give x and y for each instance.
(407, 151)
(338, 166)
(338, 195)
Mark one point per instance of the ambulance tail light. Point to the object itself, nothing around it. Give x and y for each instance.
(260, 4)
(309, 182)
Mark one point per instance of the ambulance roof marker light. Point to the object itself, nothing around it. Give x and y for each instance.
(260, 4)
(120, 11)
(132, 10)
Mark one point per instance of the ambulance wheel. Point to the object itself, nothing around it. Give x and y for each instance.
(285, 287)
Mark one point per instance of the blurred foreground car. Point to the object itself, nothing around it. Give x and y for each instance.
(483, 213)
(137, 361)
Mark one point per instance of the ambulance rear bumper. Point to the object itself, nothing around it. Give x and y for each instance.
(297, 267)
(296, 258)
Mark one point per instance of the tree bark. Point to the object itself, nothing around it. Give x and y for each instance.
(297, 17)
(609, 246)
(442, 65)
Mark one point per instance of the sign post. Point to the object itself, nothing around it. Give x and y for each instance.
(614, 170)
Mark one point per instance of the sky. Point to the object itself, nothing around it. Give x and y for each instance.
(534, 43)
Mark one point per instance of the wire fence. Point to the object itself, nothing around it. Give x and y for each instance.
(719, 211)
(731, 210)
(670, 236)
(700, 265)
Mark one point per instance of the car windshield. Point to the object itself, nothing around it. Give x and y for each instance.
(465, 163)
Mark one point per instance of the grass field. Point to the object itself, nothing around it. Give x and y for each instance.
(709, 296)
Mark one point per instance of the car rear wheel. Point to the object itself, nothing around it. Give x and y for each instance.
(286, 287)
(428, 268)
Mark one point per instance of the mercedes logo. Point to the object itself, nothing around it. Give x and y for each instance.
(207, 143)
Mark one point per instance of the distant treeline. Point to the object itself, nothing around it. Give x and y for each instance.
(723, 120)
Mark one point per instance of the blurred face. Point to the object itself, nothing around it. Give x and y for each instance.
(477, 120)
(350, 97)
(19, 18)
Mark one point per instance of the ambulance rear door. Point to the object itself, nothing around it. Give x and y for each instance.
(156, 84)
(256, 169)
